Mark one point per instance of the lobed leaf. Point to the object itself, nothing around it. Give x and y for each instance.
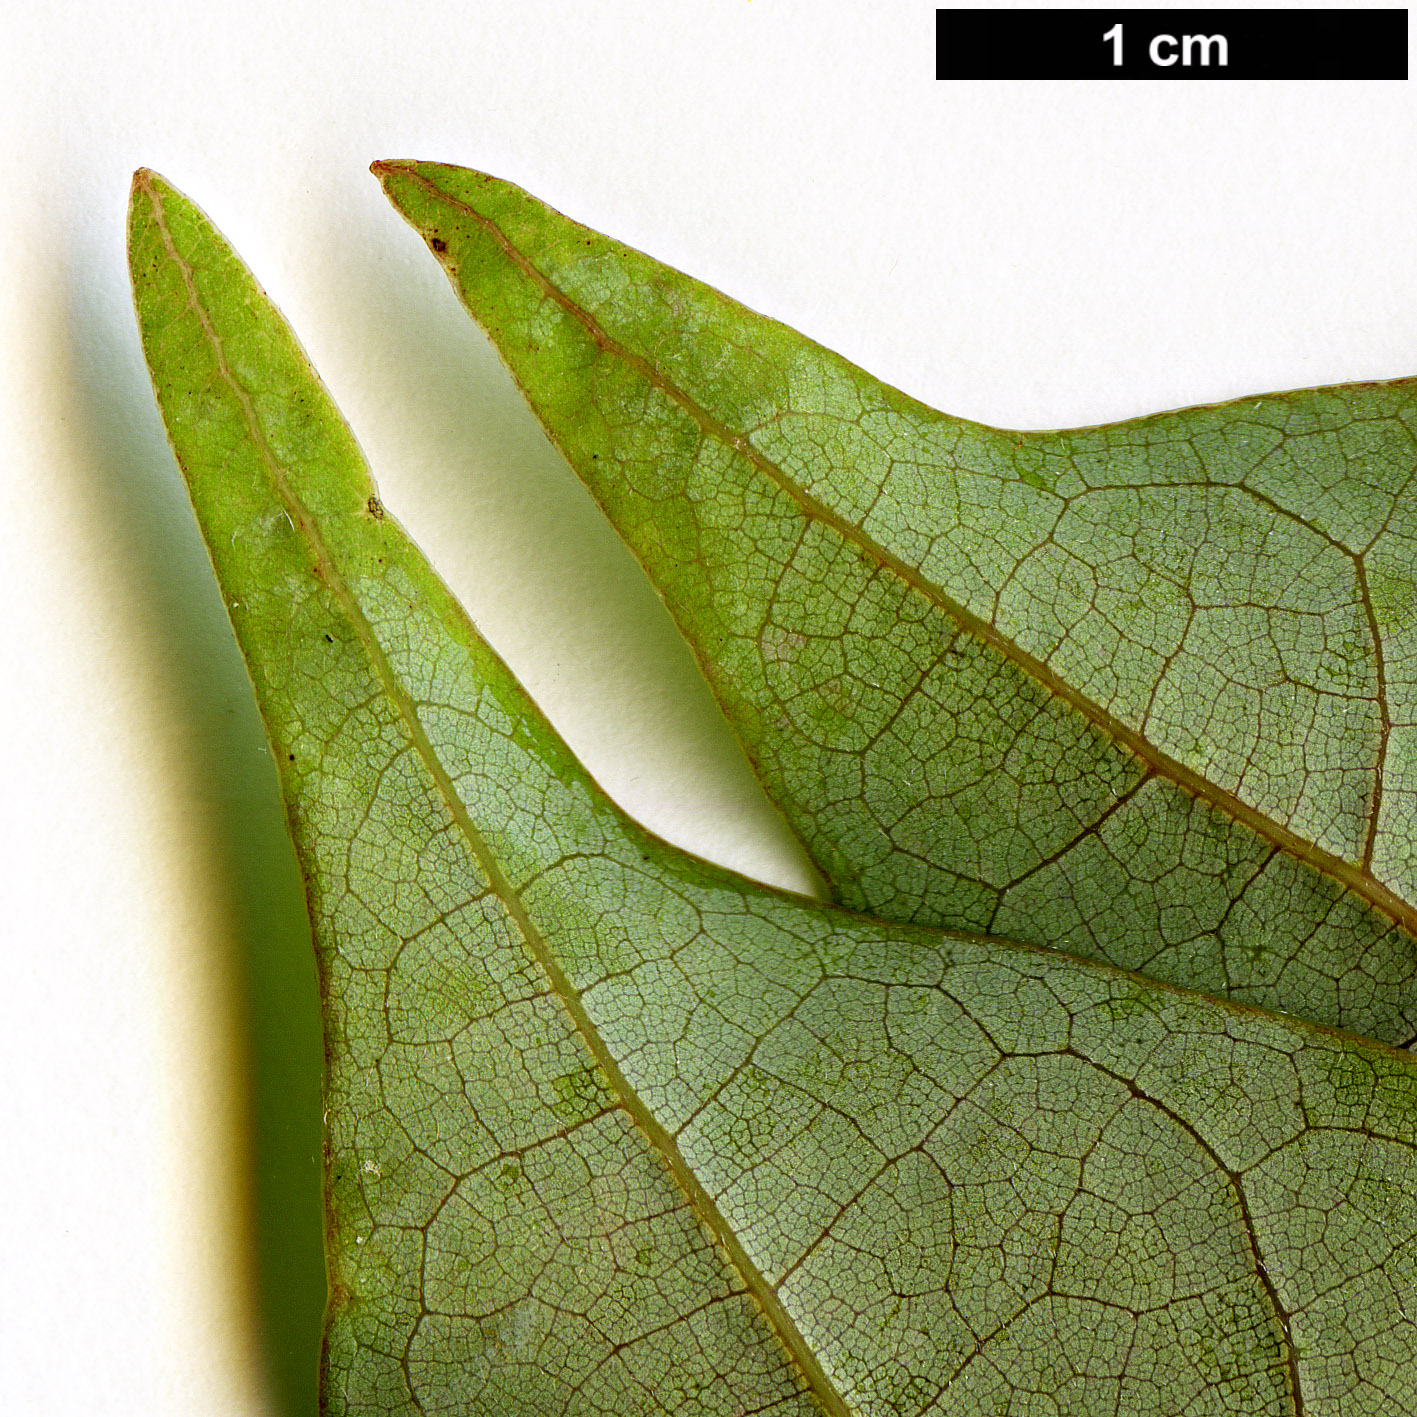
(611, 1130)
(1146, 693)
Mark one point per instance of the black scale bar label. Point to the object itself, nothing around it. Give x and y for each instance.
(1170, 44)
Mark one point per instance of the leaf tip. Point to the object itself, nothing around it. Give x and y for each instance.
(390, 169)
(150, 187)
(141, 186)
(144, 200)
(148, 182)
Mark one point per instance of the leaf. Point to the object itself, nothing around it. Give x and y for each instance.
(612, 1130)
(1147, 693)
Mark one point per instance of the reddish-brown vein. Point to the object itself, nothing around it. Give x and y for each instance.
(1384, 716)
(1237, 1190)
(1354, 876)
(698, 1198)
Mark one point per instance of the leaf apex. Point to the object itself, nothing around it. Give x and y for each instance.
(156, 189)
(429, 170)
(145, 181)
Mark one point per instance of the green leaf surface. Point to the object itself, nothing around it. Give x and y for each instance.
(1146, 692)
(611, 1130)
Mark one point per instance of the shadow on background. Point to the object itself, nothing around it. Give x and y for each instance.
(463, 464)
(256, 892)
(523, 544)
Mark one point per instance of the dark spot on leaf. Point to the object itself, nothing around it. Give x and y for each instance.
(438, 244)
(375, 508)
(329, 639)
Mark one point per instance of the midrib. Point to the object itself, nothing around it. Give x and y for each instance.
(1352, 876)
(698, 1198)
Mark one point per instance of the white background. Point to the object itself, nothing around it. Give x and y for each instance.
(1025, 254)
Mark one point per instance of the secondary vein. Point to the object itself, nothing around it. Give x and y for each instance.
(1353, 876)
(755, 1282)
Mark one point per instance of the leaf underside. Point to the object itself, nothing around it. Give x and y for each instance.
(1146, 693)
(612, 1130)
